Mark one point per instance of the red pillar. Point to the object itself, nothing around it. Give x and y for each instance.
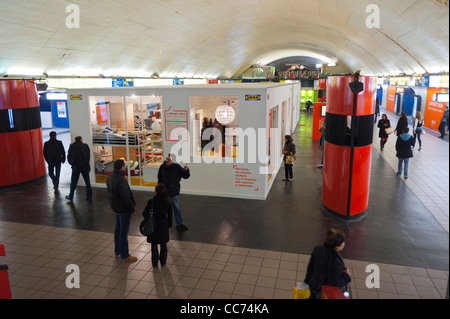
(21, 144)
(348, 144)
(5, 287)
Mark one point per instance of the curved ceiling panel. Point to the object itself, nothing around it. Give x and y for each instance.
(210, 38)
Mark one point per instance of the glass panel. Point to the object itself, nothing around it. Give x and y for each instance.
(148, 127)
(211, 116)
(108, 123)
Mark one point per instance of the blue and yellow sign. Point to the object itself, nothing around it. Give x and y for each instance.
(253, 97)
(76, 97)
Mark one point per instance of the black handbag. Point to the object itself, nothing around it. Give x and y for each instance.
(147, 226)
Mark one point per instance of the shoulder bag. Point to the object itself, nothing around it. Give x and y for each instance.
(147, 226)
(290, 159)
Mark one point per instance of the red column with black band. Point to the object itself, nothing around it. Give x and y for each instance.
(21, 157)
(348, 144)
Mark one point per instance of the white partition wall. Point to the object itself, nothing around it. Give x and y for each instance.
(238, 156)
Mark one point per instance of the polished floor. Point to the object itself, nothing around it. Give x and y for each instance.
(238, 248)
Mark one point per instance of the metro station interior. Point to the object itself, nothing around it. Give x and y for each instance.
(98, 68)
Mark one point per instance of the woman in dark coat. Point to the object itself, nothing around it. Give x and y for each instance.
(162, 212)
(383, 124)
(401, 124)
(288, 149)
(326, 266)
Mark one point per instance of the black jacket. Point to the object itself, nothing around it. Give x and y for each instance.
(401, 124)
(290, 148)
(162, 213)
(326, 267)
(54, 152)
(79, 156)
(404, 145)
(170, 176)
(120, 196)
(383, 127)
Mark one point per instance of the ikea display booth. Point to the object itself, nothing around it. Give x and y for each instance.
(230, 136)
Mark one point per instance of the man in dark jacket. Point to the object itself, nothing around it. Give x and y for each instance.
(170, 174)
(444, 122)
(79, 156)
(403, 146)
(122, 202)
(326, 266)
(54, 155)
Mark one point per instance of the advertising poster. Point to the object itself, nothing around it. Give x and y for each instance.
(433, 110)
(390, 100)
(61, 107)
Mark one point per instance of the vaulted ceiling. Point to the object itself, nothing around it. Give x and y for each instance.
(211, 38)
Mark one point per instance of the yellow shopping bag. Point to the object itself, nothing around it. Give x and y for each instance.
(301, 293)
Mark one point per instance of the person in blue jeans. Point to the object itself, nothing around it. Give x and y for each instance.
(170, 174)
(403, 146)
(122, 203)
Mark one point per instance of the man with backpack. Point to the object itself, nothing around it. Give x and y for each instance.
(54, 155)
(79, 157)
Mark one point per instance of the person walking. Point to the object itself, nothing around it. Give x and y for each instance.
(170, 174)
(402, 123)
(417, 129)
(326, 266)
(288, 150)
(161, 206)
(383, 124)
(322, 143)
(444, 122)
(55, 155)
(404, 146)
(79, 157)
(377, 110)
(122, 203)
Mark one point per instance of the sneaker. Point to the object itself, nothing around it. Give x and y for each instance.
(420, 148)
(406, 177)
(319, 166)
(291, 179)
(182, 227)
(69, 198)
(130, 259)
(398, 174)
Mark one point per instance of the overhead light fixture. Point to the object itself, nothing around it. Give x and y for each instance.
(225, 114)
(332, 64)
(56, 96)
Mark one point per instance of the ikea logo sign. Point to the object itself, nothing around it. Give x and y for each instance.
(76, 97)
(253, 97)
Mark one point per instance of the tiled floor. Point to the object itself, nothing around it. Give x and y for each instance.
(428, 171)
(39, 255)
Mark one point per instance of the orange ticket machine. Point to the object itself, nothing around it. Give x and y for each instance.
(348, 144)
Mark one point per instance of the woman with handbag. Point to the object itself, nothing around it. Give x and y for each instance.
(289, 158)
(383, 124)
(161, 207)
